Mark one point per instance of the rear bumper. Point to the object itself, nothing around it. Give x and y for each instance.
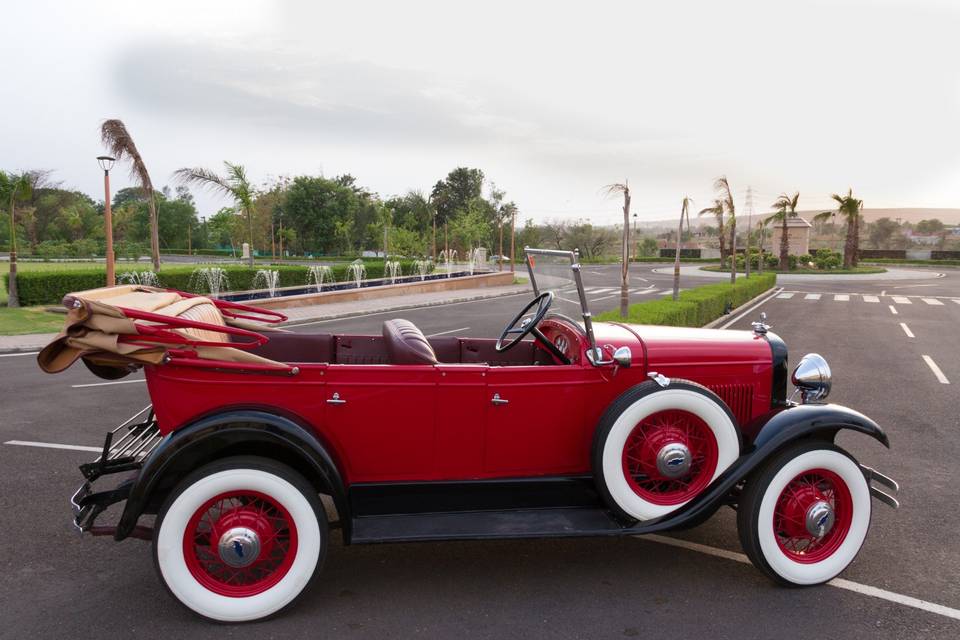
(124, 450)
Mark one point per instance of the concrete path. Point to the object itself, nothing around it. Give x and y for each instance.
(35, 341)
(796, 278)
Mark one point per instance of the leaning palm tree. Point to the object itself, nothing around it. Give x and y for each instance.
(722, 186)
(848, 208)
(611, 190)
(717, 211)
(234, 184)
(14, 187)
(684, 213)
(786, 207)
(120, 144)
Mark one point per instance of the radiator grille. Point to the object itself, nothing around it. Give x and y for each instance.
(739, 397)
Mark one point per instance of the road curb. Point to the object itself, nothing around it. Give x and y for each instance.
(769, 293)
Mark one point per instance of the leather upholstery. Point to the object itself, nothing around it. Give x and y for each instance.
(406, 344)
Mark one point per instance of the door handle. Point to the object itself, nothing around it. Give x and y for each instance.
(498, 400)
(336, 399)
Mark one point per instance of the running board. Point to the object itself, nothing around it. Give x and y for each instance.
(479, 525)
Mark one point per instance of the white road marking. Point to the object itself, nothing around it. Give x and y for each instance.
(605, 290)
(440, 333)
(893, 310)
(911, 286)
(936, 370)
(839, 583)
(812, 296)
(105, 384)
(762, 302)
(52, 445)
(842, 297)
(906, 330)
(901, 300)
(613, 295)
(785, 296)
(871, 299)
(957, 300)
(933, 301)
(33, 353)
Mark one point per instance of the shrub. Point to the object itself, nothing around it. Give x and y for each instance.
(696, 307)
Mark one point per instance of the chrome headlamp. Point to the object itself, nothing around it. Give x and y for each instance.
(812, 378)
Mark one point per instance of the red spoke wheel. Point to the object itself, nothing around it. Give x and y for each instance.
(240, 543)
(240, 538)
(669, 457)
(804, 515)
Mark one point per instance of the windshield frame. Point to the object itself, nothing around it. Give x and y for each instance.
(594, 354)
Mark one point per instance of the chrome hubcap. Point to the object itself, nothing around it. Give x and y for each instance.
(820, 518)
(673, 460)
(239, 546)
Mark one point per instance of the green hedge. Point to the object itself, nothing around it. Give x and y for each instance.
(670, 259)
(49, 287)
(696, 307)
(922, 263)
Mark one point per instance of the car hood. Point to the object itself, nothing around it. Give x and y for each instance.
(663, 346)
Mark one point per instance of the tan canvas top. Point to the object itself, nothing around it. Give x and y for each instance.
(96, 320)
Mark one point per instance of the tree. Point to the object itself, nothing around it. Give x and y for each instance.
(684, 213)
(590, 240)
(624, 189)
(761, 232)
(848, 208)
(881, 231)
(786, 207)
(648, 246)
(234, 184)
(929, 227)
(120, 143)
(722, 186)
(14, 187)
(717, 211)
(453, 193)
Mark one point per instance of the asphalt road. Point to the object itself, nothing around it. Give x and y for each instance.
(56, 583)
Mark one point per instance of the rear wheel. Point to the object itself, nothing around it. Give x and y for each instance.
(656, 448)
(804, 516)
(240, 538)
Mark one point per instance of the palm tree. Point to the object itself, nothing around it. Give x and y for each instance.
(120, 143)
(14, 187)
(613, 189)
(761, 232)
(786, 207)
(234, 184)
(717, 211)
(684, 213)
(726, 197)
(848, 208)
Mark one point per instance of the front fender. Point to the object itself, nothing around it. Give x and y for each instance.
(766, 435)
(248, 432)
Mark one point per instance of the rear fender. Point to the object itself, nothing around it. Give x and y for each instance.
(243, 432)
(771, 432)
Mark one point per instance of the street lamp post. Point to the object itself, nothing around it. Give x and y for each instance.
(106, 163)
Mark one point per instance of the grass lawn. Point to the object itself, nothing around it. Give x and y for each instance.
(32, 319)
(813, 272)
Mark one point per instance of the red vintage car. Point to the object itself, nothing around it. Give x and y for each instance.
(587, 429)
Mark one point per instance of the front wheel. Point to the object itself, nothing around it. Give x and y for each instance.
(803, 518)
(240, 538)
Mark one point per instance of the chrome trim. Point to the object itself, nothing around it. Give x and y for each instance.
(623, 357)
(885, 498)
(659, 378)
(761, 327)
(872, 474)
(812, 377)
(498, 400)
(336, 399)
(673, 460)
(239, 547)
(820, 518)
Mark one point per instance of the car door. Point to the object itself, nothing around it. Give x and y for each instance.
(535, 421)
(383, 419)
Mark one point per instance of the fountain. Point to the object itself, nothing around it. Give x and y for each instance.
(423, 267)
(357, 271)
(144, 278)
(267, 279)
(474, 257)
(318, 274)
(392, 270)
(449, 256)
(210, 279)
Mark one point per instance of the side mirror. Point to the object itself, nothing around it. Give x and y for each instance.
(623, 357)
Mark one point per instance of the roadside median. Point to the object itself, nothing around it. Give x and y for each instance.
(696, 307)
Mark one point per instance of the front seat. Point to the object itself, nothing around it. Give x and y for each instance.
(406, 344)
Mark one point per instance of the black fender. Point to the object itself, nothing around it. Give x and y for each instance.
(241, 432)
(771, 432)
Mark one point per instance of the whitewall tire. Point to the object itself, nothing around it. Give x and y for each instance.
(656, 448)
(240, 539)
(804, 516)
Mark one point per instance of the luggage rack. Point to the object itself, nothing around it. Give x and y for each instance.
(126, 450)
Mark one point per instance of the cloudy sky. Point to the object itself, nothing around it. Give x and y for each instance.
(552, 100)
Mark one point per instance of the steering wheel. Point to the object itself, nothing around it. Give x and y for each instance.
(522, 326)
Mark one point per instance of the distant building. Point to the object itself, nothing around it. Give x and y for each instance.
(919, 238)
(798, 236)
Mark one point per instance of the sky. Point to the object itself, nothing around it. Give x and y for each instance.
(553, 100)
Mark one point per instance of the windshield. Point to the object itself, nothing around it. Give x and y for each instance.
(559, 273)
